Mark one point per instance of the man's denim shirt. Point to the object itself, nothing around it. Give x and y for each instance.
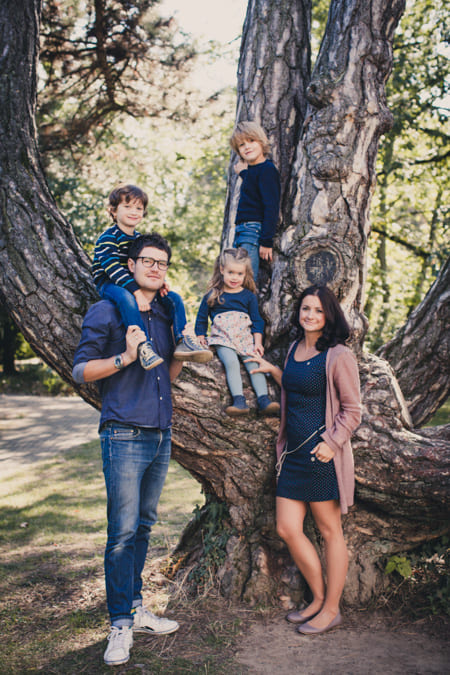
(132, 396)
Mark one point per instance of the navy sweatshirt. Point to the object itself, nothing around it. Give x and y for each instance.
(259, 199)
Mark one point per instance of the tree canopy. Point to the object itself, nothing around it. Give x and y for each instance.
(99, 59)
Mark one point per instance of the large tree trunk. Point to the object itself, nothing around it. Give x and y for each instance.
(420, 351)
(45, 274)
(273, 73)
(45, 279)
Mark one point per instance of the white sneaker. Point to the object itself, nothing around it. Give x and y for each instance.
(146, 622)
(120, 641)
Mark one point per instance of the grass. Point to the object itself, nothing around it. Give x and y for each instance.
(36, 378)
(52, 599)
(442, 416)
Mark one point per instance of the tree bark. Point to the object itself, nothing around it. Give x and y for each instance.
(273, 72)
(45, 274)
(420, 351)
(333, 175)
(45, 279)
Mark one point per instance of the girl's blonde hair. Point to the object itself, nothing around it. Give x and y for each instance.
(229, 256)
(252, 131)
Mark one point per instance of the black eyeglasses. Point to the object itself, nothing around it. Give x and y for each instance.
(151, 262)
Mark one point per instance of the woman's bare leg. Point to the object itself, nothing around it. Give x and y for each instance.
(327, 516)
(290, 516)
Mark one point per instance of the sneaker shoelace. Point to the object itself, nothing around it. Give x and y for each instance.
(118, 636)
(191, 342)
(147, 351)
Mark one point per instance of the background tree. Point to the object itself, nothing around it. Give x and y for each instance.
(410, 211)
(96, 59)
(331, 141)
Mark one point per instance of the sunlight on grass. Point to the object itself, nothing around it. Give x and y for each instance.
(52, 536)
(66, 495)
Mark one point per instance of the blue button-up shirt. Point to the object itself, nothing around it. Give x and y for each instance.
(133, 395)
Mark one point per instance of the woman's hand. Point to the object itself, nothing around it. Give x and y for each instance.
(323, 452)
(202, 340)
(265, 367)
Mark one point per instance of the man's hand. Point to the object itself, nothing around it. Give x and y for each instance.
(97, 369)
(142, 302)
(134, 336)
(265, 253)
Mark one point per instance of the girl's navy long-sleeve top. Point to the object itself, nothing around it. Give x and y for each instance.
(245, 301)
(259, 199)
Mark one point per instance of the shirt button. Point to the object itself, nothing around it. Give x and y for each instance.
(313, 459)
(160, 398)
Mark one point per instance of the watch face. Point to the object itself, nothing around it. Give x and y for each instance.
(118, 362)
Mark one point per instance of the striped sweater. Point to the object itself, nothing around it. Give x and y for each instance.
(111, 259)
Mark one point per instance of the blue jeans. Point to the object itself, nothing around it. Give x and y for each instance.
(247, 235)
(230, 361)
(174, 304)
(129, 311)
(135, 463)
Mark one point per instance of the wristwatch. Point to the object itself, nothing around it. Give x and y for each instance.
(118, 362)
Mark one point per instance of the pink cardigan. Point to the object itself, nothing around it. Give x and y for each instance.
(342, 416)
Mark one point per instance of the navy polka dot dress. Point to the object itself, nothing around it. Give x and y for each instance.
(302, 475)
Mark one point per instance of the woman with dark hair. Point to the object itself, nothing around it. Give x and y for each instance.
(320, 408)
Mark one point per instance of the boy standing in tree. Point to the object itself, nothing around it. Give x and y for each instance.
(127, 207)
(259, 201)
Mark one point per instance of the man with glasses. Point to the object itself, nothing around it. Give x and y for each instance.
(135, 434)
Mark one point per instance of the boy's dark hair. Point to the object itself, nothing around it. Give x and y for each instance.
(126, 193)
(154, 239)
(336, 329)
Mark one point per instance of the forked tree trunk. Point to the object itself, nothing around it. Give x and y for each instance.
(402, 496)
(274, 71)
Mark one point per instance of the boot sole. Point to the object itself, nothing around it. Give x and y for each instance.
(272, 409)
(236, 412)
(153, 365)
(196, 357)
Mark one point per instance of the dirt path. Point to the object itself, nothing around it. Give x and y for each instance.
(33, 428)
(363, 646)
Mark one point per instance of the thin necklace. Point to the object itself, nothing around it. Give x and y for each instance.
(306, 349)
